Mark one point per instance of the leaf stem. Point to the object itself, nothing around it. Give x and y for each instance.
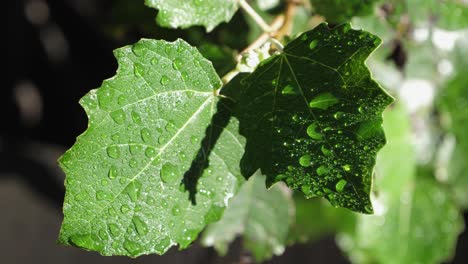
(255, 16)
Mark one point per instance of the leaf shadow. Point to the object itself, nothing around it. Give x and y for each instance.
(200, 162)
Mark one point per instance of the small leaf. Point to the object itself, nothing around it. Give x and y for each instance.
(147, 150)
(261, 216)
(312, 116)
(184, 14)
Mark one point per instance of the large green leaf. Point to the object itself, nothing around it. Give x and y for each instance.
(131, 173)
(339, 11)
(416, 220)
(187, 13)
(261, 216)
(312, 116)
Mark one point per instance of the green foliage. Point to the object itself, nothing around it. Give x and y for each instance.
(125, 192)
(312, 116)
(406, 228)
(339, 11)
(168, 146)
(261, 216)
(184, 14)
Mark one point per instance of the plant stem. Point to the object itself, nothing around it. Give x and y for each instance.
(255, 16)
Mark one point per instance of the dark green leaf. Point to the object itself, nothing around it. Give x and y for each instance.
(312, 116)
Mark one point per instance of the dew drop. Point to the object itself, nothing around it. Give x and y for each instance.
(150, 201)
(125, 209)
(325, 151)
(150, 152)
(102, 195)
(347, 167)
(313, 44)
(323, 101)
(338, 115)
(164, 80)
(322, 170)
(115, 137)
(112, 174)
(169, 173)
(289, 90)
(114, 230)
(134, 148)
(154, 61)
(140, 225)
(138, 70)
(182, 156)
(112, 212)
(340, 185)
(305, 160)
(104, 182)
(312, 132)
(169, 126)
(118, 116)
(132, 247)
(133, 163)
(145, 134)
(138, 49)
(133, 190)
(121, 100)
(175, 210)
(113, 152)
(194, 139)
(103, 234)
(136, 117)
(177, 64)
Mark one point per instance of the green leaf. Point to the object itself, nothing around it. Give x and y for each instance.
(312, 116)
(131, 173)
(405, 228)
(454, 106)
(339, 11)
(184, 14)
(261, 216)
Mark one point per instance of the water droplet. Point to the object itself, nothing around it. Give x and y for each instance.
(136, 117)
(323, 101)
(150, 201)
(164, 80)
(366, 148)
(102, 195)
(138, 49)
(194, 139)
(325, 151)
(311, 131)
(140, 225)
(346, 28)
(176, 210)
(115, 137)
(347, 167)
(150, 152)
(154, 61)
(289, 90)
(118, 116)
(170, 126)
(185, 75)
(164, 204)
(132, 247)
(133, 190)
(125, 209)
(145, 134)
(114, 230)
(133, 163)
(177, 64)
(164, 243)
(169, 173)
(138, 69)
(134, 148)
(182, 156)
(113, 152)
(81, 196)
(112, 212)
(362, 109)
(322, 170)
(313, 44)
(112, 172)
(340, 185)
(339, 115)
(121, 100)
(86, 241)
(103, 234)
(305, 160)
(104, 182)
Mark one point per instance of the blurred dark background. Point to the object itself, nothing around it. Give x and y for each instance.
(56, 52)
